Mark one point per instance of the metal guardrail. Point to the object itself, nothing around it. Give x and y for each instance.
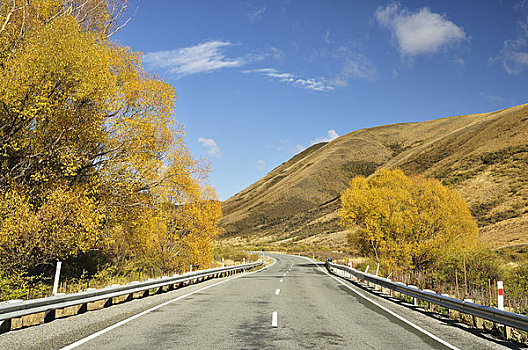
(489, 313)
(49, 305)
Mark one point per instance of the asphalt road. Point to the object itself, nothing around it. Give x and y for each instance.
(292, 304)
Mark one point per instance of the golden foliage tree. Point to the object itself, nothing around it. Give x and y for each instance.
(90, 158)
(406, 222)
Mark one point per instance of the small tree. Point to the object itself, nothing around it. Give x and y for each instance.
(406, 222)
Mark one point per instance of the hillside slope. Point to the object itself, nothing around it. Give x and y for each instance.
(485, 156)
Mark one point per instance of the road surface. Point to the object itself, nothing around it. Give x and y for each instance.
(291, 304)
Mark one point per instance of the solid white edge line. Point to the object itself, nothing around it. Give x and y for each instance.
(274, 319)
(108, 329)
(418, 328)
(277, 291)
(280, 281)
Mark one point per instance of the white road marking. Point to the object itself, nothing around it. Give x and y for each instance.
(418, 328)
(108, 329)
(281, 280)
(274, 319)
(277, 292)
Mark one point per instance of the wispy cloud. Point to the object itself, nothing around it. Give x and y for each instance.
(292, 79)
(211, 147)
(421, 32)
(205, 57)
(514, 54)
(326, 37)
(284, 145)
(257, 14)
(355, 65)
(492, 98)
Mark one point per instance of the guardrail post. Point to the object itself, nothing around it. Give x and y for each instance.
(5, 326)
(415, 300)
(83, 309)
(431, 305)
(448, 310)
(50, 316)
(109, 302)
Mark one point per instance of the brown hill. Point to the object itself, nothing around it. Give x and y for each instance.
(485, 156)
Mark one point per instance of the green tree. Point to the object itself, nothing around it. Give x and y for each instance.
(405, 222)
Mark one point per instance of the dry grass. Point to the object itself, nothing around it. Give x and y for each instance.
(485, 156)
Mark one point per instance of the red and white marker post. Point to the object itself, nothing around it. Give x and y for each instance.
(500, 295)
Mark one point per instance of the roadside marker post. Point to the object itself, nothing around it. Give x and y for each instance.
(57, 274)
(500, 295)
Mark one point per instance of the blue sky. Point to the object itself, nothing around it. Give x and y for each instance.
(258, 81)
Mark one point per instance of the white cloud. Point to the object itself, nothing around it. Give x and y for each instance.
(205, 57)
(286, 145)
(261, 165)
(292, 79)
(420, 32)
(331, 135)
(210, 147)
(514, 54)
(298, 149)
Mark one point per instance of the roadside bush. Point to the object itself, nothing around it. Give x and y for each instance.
(481, 265)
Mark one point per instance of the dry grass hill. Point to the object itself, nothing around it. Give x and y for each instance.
(485, 156)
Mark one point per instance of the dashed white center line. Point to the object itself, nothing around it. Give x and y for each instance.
(281, 280)
(277, 291)
(274, 319)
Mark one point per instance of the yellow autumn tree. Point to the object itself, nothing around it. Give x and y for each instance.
(406, 222)
(88, 145)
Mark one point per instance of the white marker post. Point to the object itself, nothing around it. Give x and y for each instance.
(190, 267)
(244, 261)
(56, 281)
(500, 295)
(223, 263)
